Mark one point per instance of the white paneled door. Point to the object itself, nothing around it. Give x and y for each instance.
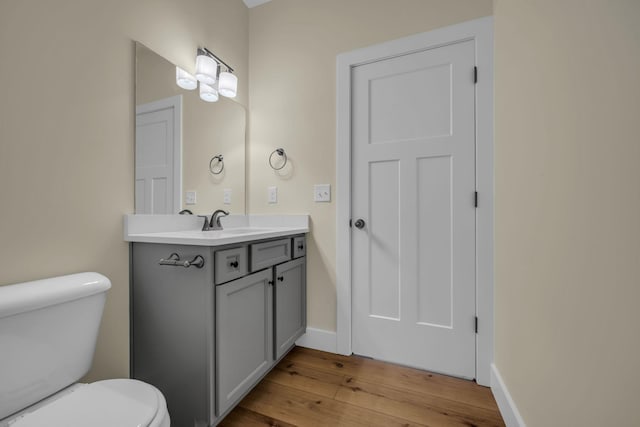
(413, 194)
(158, 157)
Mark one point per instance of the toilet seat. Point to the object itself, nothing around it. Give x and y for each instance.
(123, 403)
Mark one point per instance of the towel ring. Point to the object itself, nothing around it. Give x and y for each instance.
(280, 152)
(217, 167)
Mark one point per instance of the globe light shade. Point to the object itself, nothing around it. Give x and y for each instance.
(206, 69)
(185, 80)
(208, 93)
(228, 85)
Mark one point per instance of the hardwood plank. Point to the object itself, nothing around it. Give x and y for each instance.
(242, 417)
(423, 409)
(300, 377)
(399, 377)
(308, 409)
(313, 388)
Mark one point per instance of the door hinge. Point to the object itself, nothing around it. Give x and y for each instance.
(475, 201)
(476, 324)
(475, 74)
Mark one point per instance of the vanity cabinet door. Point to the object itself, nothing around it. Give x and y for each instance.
(244, 339)
(290, 304)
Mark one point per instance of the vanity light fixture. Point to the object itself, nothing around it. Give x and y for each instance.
(206, 68)
(228, 85)
(208, 93)
(213, 82)
(185, 80)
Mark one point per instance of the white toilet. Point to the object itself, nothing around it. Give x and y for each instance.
(48, 331)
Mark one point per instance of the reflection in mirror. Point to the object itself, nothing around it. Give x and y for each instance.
(177, 136)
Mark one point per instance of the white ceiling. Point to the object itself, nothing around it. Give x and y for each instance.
(254, 3)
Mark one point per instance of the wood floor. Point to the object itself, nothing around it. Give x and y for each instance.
(314, 388)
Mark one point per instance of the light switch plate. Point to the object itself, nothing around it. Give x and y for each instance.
(190, 198)
(322, 193)
(226, 196)
(272, 194)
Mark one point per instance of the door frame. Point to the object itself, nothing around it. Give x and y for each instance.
(175, 103)
(481, 31)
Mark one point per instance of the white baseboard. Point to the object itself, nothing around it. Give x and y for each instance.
(319, 339)
(506, 404)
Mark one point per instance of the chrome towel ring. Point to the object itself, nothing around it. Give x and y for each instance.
(216, 164)
(280, 152)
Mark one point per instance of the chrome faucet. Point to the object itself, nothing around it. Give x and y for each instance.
(214, 224)
(205, 225)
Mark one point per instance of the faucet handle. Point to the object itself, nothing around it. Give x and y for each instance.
(205, 226)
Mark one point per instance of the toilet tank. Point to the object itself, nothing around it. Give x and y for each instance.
(48, 331)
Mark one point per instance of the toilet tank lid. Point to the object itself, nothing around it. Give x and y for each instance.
(28, 296)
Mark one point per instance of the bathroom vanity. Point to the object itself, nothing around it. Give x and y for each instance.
(213, 312)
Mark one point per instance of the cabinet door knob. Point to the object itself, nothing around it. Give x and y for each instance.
(234, 264)
(359, 223)
(300, 247)
(281, 278)
(270, 282)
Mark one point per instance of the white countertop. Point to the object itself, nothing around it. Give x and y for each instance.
(186, 229)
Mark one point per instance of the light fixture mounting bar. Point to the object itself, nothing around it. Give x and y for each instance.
(216, 57)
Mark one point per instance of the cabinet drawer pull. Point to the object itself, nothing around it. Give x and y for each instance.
(174, 261)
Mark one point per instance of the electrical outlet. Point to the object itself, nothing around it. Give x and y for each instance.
(227, 196)
(190, 198)
(322, 193)
(272, 194)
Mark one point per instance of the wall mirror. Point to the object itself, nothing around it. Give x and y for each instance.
(189, 154)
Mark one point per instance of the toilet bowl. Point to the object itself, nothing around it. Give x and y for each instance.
(48, 331)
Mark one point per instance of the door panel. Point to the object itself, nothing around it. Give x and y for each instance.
(413, 177)
(384, 251)
(161, 196)
(414, 89)
(435, 269)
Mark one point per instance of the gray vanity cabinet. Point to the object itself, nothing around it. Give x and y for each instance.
(244, 319)
(290, 304)
(207, 323)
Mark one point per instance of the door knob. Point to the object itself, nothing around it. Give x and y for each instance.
(359, 223)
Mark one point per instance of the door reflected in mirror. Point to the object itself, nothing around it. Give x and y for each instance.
(178, 136)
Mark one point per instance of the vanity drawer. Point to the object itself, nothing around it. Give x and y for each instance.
(266, 254)
(299, 247)
(231, 264)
